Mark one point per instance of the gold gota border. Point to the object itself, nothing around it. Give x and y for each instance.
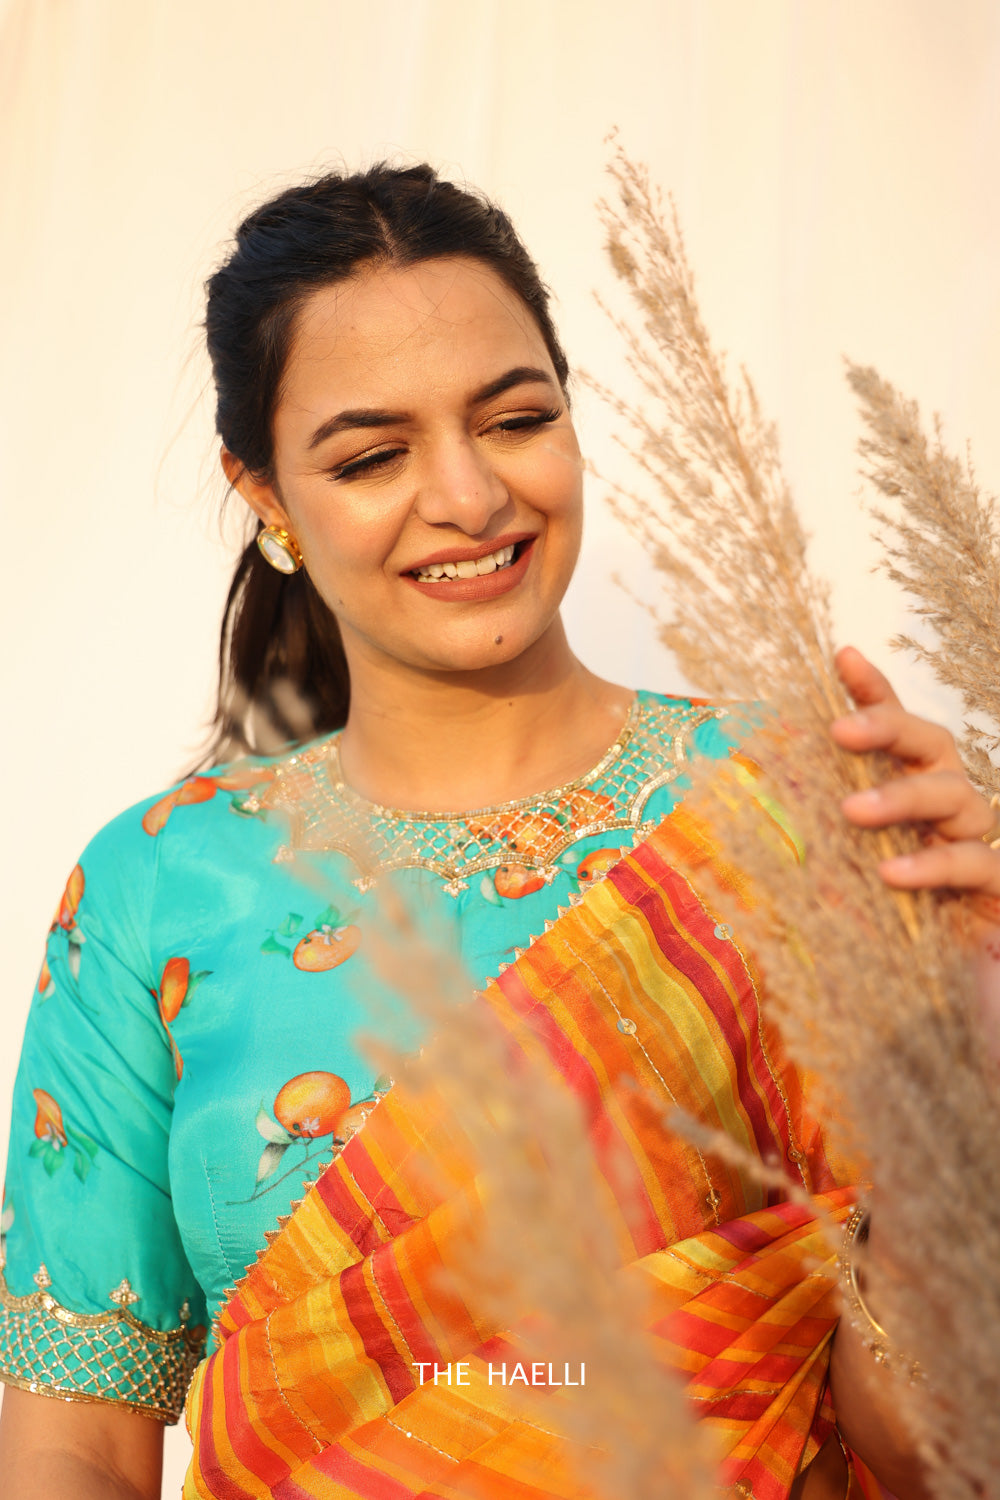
(110, 1357)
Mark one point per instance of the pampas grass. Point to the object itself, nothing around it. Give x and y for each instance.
(941, 543)
(872, 988)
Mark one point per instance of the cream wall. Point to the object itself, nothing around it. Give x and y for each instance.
(835, 163)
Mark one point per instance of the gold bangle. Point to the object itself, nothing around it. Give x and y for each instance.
(873, 1335)
(992, 837)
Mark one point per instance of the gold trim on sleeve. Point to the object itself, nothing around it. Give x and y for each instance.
(110, 1356)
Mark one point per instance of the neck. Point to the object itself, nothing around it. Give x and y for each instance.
(450, 741)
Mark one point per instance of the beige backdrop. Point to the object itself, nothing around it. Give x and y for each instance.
(835, 163)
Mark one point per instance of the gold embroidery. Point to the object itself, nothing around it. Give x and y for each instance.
(47, 1349)
(532, 832)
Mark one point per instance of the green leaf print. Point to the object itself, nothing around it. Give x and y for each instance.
(73, 952)
(328, 918)
(272, 1132)
(290, 926)
(271, 945)
(80, 1140)
(270, 1159)
(193, 982)
(52, 1158)
(246, 805)
(81, 1165)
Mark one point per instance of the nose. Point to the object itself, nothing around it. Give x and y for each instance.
(460, 487)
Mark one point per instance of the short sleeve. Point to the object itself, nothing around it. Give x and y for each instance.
(97, 1300)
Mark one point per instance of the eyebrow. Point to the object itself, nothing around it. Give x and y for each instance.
(376, 417)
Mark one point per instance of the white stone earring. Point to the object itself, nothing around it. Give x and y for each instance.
(280, 549)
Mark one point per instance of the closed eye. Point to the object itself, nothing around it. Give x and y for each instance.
(366, 463)
(527, 420)
(380, 458)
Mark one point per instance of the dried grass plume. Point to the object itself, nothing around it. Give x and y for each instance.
(941, 543)
(872, 988)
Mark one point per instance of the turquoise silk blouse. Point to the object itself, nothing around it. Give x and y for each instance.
(192, 1049)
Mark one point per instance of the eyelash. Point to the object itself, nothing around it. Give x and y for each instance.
(370, 462)
(529, 420)
(366, 464)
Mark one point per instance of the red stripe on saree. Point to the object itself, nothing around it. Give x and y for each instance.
(611, 1150)
(366, 1232)
(360, 1308)
(687, 939)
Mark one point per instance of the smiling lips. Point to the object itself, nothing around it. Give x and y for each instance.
(467, 568)
(474, 578)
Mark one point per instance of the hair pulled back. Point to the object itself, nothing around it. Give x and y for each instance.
(281, 663)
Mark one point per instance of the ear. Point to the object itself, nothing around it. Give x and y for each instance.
(259, 494)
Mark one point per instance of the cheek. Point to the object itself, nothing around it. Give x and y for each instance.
(339, 540)
(559, 480)
(563, 499)
(550, 482)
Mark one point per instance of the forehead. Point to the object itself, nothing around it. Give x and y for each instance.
(398, 333)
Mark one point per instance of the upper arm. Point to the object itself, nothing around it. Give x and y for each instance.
(97, 1300)
(65, 1450)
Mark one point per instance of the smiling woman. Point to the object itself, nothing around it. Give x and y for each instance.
(397, 693)
(440, 506)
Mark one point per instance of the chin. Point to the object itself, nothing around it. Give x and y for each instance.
(482, 659)
(483, 653)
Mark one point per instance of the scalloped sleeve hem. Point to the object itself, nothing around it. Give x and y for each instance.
(109, 1357)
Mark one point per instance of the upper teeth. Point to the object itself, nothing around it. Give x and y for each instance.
(467, 568)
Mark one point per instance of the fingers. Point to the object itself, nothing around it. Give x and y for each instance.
(934, 792)
(963, 866)
(862, 679)
(944, 799)
(889, 727)
(882, 723)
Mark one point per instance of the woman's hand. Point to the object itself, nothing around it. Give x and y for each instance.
(932, 791)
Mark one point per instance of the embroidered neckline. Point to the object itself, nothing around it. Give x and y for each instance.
(325, 814)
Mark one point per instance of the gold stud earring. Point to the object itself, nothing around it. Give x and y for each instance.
(280, 549)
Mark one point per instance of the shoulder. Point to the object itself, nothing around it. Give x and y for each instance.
(690, 725)
(183, 821)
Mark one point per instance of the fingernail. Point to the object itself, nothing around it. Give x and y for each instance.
(870, 798)
(900, 864)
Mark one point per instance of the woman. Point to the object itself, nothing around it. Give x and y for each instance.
(392, 407)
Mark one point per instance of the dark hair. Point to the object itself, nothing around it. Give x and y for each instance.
(280, 643)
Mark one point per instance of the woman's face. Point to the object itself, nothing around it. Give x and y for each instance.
(426, 464)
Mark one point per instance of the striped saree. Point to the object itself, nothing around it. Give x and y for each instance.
(636, 993)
